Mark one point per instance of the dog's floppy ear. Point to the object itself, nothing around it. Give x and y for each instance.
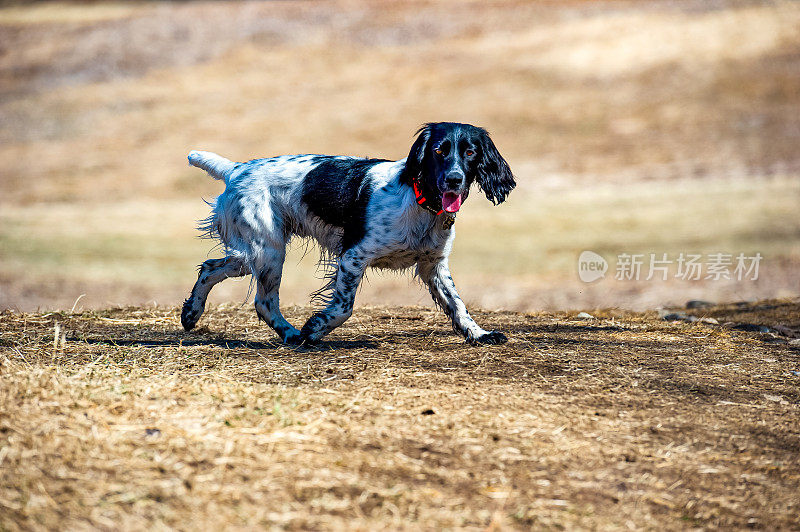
(417, 153)
(494, 176)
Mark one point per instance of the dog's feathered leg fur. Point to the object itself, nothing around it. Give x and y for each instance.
(340, 306)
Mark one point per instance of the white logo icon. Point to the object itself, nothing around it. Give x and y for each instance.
(591, 267)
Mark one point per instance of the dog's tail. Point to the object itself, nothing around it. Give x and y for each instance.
(216, 166)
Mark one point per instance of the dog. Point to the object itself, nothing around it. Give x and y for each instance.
(362, 212)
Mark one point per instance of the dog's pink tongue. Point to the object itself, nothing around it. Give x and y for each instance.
(451, 202)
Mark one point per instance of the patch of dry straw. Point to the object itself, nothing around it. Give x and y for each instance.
(121, 420)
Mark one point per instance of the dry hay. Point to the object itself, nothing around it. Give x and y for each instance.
(118, 419)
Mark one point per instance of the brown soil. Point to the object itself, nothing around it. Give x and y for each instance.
(620, 421)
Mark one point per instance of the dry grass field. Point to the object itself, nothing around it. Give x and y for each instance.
(632, 127)
(618, 422)
(519, 256)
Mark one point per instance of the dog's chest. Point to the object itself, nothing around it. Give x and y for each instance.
(400, 253)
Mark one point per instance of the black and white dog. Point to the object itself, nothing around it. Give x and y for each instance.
(363, 212)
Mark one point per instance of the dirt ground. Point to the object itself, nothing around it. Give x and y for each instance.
(118, 419)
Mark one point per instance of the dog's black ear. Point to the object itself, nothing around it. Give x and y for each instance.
(494, 176)
(416, 156)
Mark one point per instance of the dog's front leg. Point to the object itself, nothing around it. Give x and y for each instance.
(440, 283)
(348, 276)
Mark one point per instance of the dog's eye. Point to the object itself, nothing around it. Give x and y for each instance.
(469, 153)
(438, 151)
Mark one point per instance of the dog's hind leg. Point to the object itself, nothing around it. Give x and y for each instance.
(212, 272)
(267, 272)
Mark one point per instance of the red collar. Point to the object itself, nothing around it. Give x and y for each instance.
(422, 201)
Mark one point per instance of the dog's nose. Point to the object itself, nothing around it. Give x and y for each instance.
(453, 181)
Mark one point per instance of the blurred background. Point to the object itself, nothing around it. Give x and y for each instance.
(632, 127)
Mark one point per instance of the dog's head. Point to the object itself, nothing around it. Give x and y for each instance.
(447, 158)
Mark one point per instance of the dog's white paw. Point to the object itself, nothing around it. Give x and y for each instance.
(490, 338)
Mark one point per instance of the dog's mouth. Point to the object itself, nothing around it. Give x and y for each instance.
(451, 201)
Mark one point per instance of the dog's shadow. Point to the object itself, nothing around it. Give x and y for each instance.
(129, 337)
